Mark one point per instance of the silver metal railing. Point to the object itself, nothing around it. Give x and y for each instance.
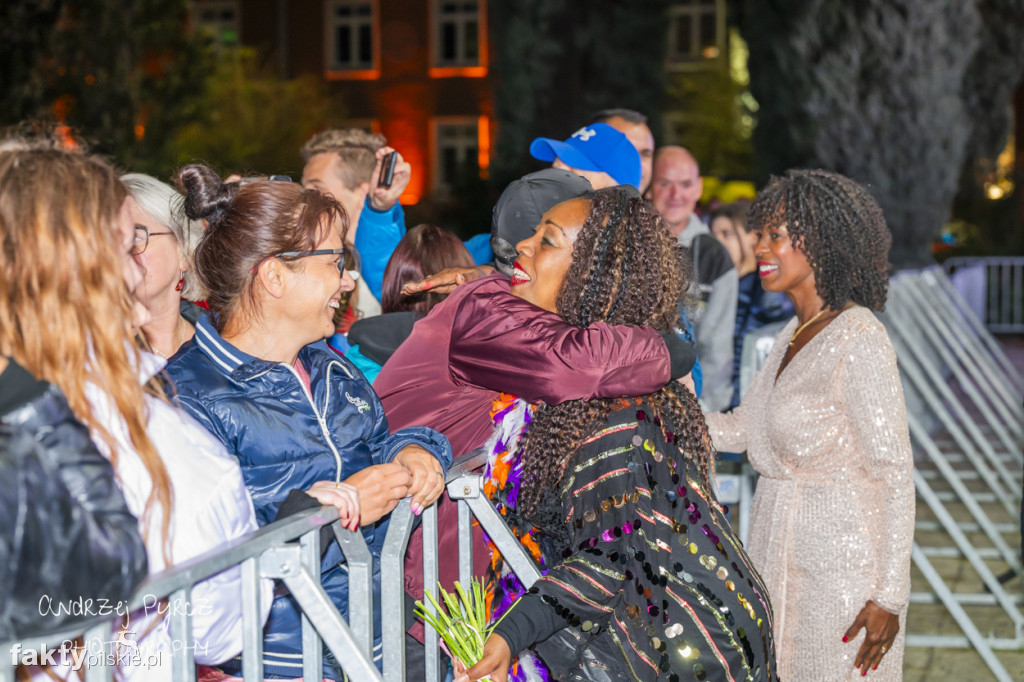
(270, 552)
(996, 283)
(273, 553)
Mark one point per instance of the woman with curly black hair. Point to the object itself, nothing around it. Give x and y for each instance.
(824, 423)
(649, 582)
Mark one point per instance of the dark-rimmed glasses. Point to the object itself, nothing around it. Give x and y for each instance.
(141, 239)
(316, 252)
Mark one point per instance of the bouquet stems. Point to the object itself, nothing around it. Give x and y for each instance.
(461, 622)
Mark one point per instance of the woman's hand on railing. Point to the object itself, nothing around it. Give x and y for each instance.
(427, 476)
(492, 665)
(342, 496)
(381, 487)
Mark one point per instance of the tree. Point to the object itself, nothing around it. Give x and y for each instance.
(252, 121)
(559, 61)
(124, 74)
(875, 90)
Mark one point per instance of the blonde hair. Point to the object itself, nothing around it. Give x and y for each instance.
(64, 306)
(355, 148)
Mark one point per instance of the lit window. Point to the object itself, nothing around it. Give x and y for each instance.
(350, 35)
(456, 151)
(217, 20)
(457, 33)
(694, 30)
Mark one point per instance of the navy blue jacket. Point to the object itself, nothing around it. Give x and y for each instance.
(262, 413)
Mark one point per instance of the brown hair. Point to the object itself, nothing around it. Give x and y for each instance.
(355, 148)
(423, 251)
(249, 223)
(64, 308)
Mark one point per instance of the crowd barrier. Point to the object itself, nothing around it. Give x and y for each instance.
(971, 464)
(993, 286)
(289, 551)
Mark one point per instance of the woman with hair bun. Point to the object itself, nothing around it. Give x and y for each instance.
(825, 425)
(645, 579)
(259, 376)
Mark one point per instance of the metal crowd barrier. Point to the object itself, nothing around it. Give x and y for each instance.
(999, 281)
(272, 552)
(975, 453)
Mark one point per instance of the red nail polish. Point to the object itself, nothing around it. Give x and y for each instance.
(875, 668)
(864, 674)
(845, 638)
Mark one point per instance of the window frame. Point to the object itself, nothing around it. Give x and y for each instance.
(439, 69)
(695, 59)
(436, 124)
(332, 70)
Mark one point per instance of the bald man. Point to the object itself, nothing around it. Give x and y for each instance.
(676, 187)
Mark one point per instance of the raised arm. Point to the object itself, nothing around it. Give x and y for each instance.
(503, 343)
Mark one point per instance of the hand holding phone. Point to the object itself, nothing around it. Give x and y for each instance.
(387, 170)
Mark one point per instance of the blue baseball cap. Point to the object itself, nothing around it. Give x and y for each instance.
(596, 147)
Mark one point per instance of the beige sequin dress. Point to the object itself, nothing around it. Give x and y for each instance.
(832, 522)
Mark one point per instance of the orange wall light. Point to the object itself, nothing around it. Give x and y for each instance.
(483, 127)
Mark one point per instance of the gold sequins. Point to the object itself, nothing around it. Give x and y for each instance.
(590, 516)
(706, 560)
(722, 573)
(619, 501)
(692, 548)
(674, 630)
(730, 585)
(606, 504)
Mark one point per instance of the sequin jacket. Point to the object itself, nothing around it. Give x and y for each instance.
(654, 585)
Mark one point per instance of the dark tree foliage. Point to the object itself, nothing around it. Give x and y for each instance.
(993, 75)
(874, 90)
(122, 73)
(559, 61)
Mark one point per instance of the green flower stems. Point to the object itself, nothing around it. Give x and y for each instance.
(463, 626)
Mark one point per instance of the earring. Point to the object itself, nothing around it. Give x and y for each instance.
(181, 281)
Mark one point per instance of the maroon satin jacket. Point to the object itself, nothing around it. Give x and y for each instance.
(481, 341)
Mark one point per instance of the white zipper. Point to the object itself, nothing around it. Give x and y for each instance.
(319, 419)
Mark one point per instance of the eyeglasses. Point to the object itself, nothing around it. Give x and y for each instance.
(141, 239)
(303, 254)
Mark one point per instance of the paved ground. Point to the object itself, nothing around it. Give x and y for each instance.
(949, 663)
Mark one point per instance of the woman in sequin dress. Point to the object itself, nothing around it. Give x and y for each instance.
(824, 423)
(651, 583)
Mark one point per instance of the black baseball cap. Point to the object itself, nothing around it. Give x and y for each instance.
(524, 201)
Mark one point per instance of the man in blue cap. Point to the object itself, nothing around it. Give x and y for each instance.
(597, 152)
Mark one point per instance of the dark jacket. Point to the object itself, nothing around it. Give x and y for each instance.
(284, 440)
(65, 530)
(651, 582)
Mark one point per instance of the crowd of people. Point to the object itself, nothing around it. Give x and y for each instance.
(182, 363)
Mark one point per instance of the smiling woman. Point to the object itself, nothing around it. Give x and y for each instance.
(824, 423)
(544, 258)
(258, 375)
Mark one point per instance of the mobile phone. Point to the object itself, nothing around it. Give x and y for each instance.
(387, 170)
